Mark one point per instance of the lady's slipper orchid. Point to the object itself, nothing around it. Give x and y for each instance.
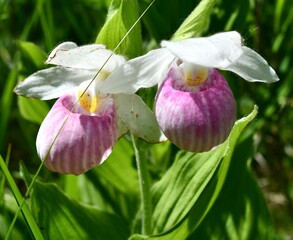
(195, 117)
(85, 122)
(195, 107)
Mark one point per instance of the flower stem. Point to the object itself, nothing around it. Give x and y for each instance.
(144, 185)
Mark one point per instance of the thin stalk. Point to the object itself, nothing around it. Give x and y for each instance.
(145, 194)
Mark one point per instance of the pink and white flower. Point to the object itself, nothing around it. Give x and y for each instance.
(82, 127)
(195, 107)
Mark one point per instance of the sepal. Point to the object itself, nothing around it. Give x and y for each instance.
(138, 118)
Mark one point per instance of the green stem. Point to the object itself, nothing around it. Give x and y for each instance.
(144, 185)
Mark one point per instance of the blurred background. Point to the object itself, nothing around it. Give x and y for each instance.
(265, 25)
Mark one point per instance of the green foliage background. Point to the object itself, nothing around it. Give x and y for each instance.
(266, 26)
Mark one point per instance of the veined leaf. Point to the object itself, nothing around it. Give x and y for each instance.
(121, 16)
(116, 180)
(60, 217)
(33, 110)
(36, 55)
(197, 22)
(118, 166)
(240, 212)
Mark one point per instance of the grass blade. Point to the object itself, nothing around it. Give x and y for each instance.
(18, 197)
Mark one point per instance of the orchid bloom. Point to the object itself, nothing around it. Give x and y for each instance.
(194, 106)
(82, 127)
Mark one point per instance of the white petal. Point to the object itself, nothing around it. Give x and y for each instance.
(138, 118)
(61, 47)
(52, 82)
(252, 67)
(91, 56)
(217, 51)
(142, 72)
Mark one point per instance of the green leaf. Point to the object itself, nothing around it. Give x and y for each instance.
(87, 190)
(116, 180)
(6, 101)
(20, 230)
(119, 165)
(8, 208)
(165, 16)
(18, 197)
(240, 212)
(197, 22)
(121, 17)
(36, 55)
(33, 110)
(60, 217)
(187, 192)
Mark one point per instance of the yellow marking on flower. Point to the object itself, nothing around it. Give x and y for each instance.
(195, 77)
(88, 102)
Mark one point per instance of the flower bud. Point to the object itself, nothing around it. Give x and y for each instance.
(195, 118)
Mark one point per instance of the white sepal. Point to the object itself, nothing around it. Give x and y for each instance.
(89, 57)
(65, 46)
(52, 82)
(252, 67)
(216, 51)
(138, 118)
(121, 128)
(141, 72)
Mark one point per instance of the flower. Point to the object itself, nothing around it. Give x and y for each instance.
(195, 119)
(83, 125)
(194, 105)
